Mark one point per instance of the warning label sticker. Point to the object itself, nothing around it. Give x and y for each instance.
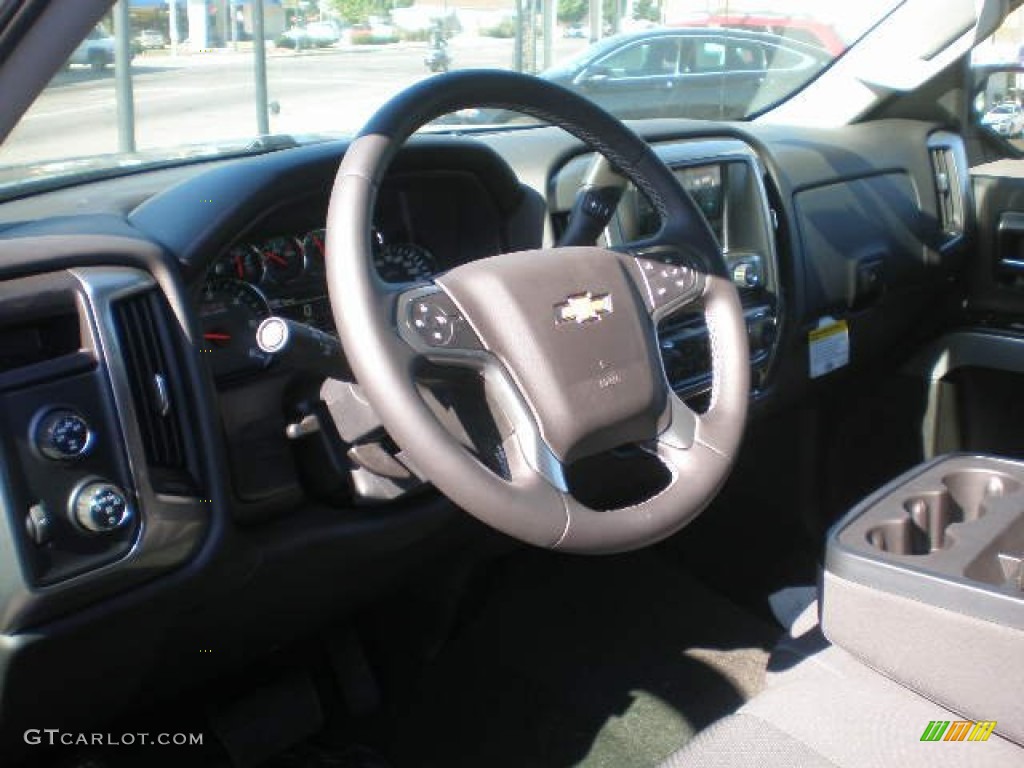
(829, 346)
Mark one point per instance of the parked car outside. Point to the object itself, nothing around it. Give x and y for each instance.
(150, 39)
(295, 37)
(96, 51)
(1006, 119)
(373, 33)
(323, 33)
(698, 73)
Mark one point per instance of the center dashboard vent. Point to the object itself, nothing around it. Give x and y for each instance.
(141, 322)
(948, 190)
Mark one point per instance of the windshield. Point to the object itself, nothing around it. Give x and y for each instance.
(206, 78)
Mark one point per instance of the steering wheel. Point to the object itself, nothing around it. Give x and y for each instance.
(563, 338)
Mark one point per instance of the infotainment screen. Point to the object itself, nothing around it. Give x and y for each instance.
(703, 182)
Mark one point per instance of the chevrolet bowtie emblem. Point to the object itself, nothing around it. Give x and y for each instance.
(583, 308)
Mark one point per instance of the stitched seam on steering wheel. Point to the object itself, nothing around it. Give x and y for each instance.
(716, 354)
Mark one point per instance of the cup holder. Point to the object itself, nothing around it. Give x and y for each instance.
(971, 487)
(923, 529)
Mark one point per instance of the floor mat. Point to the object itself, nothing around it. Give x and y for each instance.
(591, 662)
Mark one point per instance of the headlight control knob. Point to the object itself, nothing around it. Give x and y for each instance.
(747, 273)
(63, 435)
(101, 507)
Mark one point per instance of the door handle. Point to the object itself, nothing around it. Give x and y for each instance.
(1010, 245)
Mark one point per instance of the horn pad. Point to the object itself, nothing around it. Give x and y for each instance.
(576, 336)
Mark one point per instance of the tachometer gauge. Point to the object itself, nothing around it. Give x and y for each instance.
(404, 263)
(230, 311)
(314, 246)
(283, 258)
(243, 262)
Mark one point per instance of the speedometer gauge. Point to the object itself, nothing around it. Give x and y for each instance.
(284, 258)
(404, 263)
(243, 262)
(230, 311)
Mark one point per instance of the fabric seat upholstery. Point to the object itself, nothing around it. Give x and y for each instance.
(829, 709)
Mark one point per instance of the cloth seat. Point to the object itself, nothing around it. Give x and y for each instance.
(824, 708)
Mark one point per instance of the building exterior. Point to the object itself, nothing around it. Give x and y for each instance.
(213, 23)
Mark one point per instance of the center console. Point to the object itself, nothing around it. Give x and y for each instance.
(924, 581)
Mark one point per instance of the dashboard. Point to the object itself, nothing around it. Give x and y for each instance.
(246, 484)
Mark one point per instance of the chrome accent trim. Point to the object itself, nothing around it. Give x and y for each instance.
(961, 185)
(1012, 265)
(163, 395)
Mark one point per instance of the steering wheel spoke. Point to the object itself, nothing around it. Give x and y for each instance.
(680, 426)
(438, 331)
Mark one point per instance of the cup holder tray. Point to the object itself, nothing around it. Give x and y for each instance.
(923, 582)
(958, 521)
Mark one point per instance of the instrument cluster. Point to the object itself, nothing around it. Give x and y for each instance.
(282, 275)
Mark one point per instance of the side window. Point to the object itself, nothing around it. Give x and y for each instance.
(655, 57)
(782, 58)
(709, 57)
(744, 57)
(628, 62)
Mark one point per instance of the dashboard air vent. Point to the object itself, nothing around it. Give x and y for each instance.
(149, 366)
(948, 186)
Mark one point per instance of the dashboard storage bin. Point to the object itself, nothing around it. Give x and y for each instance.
(924, 581)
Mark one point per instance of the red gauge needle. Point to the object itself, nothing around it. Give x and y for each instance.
(217, 336)
(239, 267)
(277, 258)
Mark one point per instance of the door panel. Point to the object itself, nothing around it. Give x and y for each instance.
(996, 272)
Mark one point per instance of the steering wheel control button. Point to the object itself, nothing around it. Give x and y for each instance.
(62, 435)
(668, 283)
(439, 323)
(101, 507)
(39, 524)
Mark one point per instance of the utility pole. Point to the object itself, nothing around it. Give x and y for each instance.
(172, 25)
(259, 52)
(521, 6)
(123, 95)
(550, 8)
(596, 32)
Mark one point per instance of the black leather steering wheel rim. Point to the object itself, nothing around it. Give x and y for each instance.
(376, 323)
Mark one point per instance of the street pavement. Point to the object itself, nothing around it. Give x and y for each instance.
(210, 96)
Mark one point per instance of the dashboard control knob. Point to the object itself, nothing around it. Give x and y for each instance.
(63, 435)
(747, 274)
(101, 507)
